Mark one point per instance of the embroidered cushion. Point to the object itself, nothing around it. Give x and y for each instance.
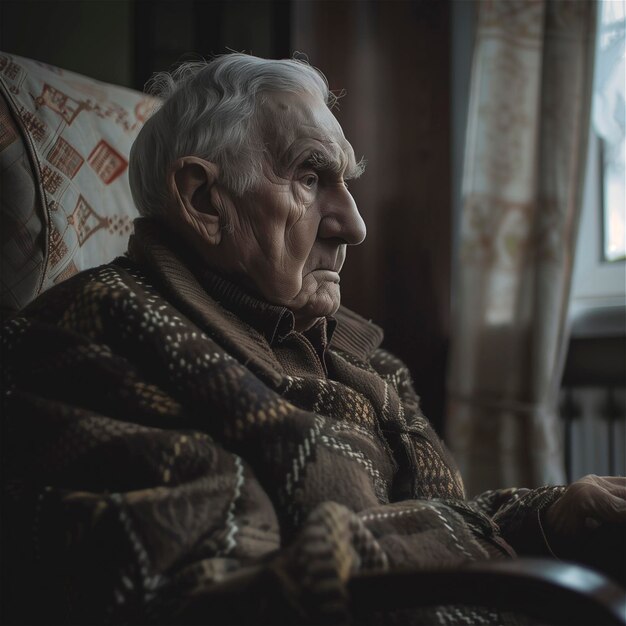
(66, 203)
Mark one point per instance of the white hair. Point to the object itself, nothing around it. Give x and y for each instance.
(208, 111)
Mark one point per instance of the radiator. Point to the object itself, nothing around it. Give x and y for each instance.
(594, 430)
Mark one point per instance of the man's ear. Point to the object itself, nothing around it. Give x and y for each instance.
(198, 200)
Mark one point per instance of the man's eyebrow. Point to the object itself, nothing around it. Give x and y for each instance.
(322, 161)
(325, 162)
(355, 169)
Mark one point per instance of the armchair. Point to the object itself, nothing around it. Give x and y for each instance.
(66, 203)
(66, 206)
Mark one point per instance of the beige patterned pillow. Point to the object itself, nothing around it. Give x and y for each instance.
(65, 200)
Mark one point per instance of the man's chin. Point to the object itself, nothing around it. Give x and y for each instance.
(324, 302)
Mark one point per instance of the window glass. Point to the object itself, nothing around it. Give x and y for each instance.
(609, 121)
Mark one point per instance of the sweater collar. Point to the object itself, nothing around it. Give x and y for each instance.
(153, 245)
(272, 321)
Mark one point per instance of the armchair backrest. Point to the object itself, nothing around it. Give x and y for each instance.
(65, 203)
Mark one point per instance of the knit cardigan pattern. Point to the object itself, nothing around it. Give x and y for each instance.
(160, 465)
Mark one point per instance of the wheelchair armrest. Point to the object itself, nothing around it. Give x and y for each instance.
(559, 592)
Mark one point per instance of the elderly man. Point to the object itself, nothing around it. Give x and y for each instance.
(200, 421)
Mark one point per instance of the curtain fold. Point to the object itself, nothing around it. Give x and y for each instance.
(528, 124)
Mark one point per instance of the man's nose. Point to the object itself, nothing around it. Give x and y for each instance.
(341, 217)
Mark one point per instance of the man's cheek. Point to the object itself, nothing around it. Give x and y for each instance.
(300, 238)
(282, 286)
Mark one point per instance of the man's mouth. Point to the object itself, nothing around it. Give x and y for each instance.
(330, 275)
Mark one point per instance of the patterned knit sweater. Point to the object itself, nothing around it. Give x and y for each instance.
(170, 443)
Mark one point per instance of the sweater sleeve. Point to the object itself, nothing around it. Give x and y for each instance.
(518, 513)
(514, 512)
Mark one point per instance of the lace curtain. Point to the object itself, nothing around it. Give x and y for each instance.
(528, 121)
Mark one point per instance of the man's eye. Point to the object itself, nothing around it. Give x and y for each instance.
(310, 180)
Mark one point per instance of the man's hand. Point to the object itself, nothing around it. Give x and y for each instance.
(586, 505)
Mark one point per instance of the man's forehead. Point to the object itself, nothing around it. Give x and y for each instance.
(302, 105)
(296, 123)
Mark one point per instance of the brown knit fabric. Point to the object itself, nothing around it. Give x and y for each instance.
(173, 449)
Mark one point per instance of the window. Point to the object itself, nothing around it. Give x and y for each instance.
(609, 113)
(600, 270)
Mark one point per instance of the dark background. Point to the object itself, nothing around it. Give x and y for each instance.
(404, 66)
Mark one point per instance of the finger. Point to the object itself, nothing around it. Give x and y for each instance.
(607, 508)
(616, 480)
(594, 479)
(614, 487)
(592, 523)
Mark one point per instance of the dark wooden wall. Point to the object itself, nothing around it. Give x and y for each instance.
(167, 31)
(393, 59)
(92, 37)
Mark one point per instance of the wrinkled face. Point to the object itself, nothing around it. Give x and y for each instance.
(291, 231)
